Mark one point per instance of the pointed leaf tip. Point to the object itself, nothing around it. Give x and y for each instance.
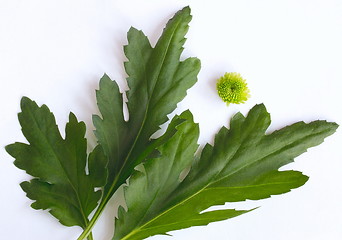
(27, 102)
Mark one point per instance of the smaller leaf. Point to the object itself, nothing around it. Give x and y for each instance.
(58, 165)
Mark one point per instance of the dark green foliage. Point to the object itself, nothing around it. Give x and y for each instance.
(58, 165)
(243, 164)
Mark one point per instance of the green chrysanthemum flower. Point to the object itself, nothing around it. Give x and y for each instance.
(232, 88)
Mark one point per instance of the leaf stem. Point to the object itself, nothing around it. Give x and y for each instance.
(87, 231)
(90, 236)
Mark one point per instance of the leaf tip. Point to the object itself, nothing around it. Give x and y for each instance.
(72, 117)
(334, 125)
(186, 115)
(26, 102)
(104, 79)
(25, 99)
(187, 9)
(9, 148)
(24, 186)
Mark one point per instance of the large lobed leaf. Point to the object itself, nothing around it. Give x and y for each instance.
(242, 164)
(58, 165)
(157, 81)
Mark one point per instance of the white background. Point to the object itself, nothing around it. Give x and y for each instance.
(289, 51)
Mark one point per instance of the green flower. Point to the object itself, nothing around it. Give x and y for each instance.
(232, 88)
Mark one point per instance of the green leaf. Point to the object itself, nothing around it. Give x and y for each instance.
(243, 164)
(61, 183)
(157, 81)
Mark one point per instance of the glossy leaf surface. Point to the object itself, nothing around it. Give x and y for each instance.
(243, 164)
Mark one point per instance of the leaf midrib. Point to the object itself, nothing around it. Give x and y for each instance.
(152, 93)
(113, 186)
(166, 179)
(266, 156)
